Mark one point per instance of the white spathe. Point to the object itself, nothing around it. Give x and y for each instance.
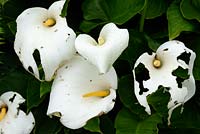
(173, 55)
(54, 43)
(15, 120)
(73, 80)
(112, 42)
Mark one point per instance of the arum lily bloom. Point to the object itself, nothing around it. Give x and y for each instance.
(44, 34)
(12, 119)
(111, 43)
(159, 69)
(80, 93)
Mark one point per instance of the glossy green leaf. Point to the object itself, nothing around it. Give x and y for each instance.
(187, 116)
(155, 8)
(159, 101)
(2, 2)
(190, 9)
(93, 125)
(153, 44)
(64, 10)
(33, 93)
(106, 125)
(45, 124)
(184, 120)
(86, 26)
(176, 22)
(128, 123)
(13, 81)
(127, 96)
(45, 87)
(13, 27)
(137, 46)
(116, 11)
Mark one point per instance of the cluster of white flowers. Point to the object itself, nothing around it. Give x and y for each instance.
(84, 80)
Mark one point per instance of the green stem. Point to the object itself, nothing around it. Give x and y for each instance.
(142, 19)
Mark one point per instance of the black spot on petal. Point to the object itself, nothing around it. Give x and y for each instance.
(185, 57)
(166, 49)
(175, 102)
(12, 98)
(30, 69)
(141, 74)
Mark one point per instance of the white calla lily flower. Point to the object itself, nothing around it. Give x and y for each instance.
(44, 31)
(12, 119)
(158, 69)
(80, 93)
(111, 43)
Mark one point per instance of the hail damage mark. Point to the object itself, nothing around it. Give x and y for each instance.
(12, 98)
(181, 75)
(141, 74)
(185, 57)
(37, 58)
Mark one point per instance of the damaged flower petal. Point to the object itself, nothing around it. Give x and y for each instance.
(15, 120)
(170, 57)
(111, 43)
(46, 32)
(80, 93)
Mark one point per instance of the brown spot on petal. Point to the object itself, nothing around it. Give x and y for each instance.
(101, 113)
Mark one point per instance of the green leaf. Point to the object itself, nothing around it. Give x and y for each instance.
(93, 125)
(87, 26)
(15, 80)
(106, 125)
(127, 97)
(116, 11)
(189, 118)
(2, 2)
(13, 27)
(181, 73)
(184, 120)
(190, 9)
(155, 8)
(45, 87)
(33, 93)
(45, 124)
(128, 123)
(159, 101)
(137, 46)
(153, 44)
(176, 22)
(64, 10)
